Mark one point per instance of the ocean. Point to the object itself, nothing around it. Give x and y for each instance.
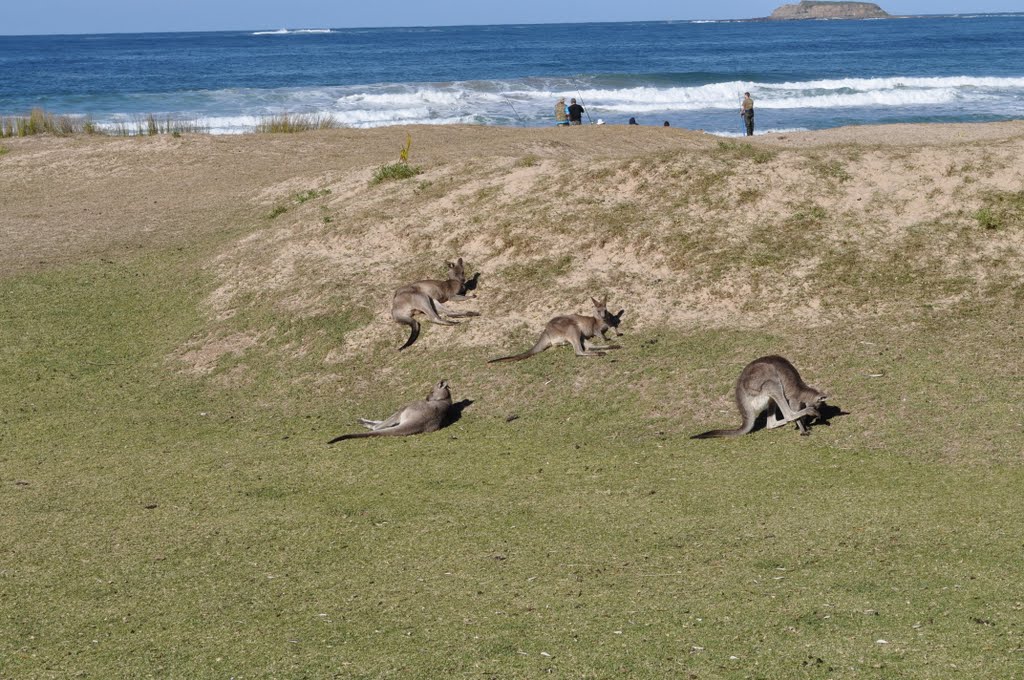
(802, 74)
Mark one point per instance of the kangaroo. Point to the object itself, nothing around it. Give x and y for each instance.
(427, 298)
(416, 417)
(574, 330)
(772, 383)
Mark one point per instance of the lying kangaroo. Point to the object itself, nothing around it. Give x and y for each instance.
(772, 383)
(574, 330)
(414, 418)
(426, 298)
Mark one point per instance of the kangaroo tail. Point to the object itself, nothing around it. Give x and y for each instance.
(748, 424)
(536, 349)
(515, 357)
(414, 333)
(397, 431)
(711, 434)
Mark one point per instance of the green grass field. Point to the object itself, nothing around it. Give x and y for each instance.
(161, 523)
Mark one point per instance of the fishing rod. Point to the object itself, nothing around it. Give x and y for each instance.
(580, 95)
(518, 117)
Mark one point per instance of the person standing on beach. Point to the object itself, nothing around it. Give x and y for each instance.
(747, 111)
(561, 112)
(575, 113)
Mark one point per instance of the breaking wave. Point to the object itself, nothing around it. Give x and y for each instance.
(613, 98)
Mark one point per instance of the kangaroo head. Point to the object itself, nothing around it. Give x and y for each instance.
(456, 271)
(441, 392)
(609, 321)
(813, 398)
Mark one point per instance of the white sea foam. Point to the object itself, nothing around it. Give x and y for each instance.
(530, 101)
(293, 31)
(848, 92)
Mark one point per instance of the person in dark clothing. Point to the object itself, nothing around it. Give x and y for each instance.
(575, 113)
(632, 121)
(747, 111)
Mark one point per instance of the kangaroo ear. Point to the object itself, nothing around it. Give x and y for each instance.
(459, 262)
(621, 312)
(605, 301)
(596, 303)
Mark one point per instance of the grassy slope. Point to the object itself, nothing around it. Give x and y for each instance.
(161, 523)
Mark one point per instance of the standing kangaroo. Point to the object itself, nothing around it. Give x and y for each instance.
(426, 415)
(574, 330)
(426, 298)
(772, 383)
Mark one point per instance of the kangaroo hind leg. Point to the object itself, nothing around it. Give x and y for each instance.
(453, 313)
(780, 404)
(576, 340)
(428, 307)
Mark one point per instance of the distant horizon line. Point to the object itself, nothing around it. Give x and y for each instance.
(951, 15)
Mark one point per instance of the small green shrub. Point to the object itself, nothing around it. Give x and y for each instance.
(3, 150)
(395, 171)
(277, 210)
(527, 161)
(309, 195)
(1002, 209)
(986, 219)
(808, 215)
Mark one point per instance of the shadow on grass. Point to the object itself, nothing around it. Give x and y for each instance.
(455, 412)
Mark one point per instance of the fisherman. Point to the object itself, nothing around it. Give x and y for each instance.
(575, 113)
(747, 111)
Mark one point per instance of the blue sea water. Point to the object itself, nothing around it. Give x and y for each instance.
(802, 74)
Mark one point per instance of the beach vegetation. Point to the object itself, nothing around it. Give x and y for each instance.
(4, 150)
(987, 219)
(1001, 209)
(403, 155)
(808, 214)
(434, 189)
(748, 195)
(309, 194)
(394, 171)
(829, 168)
(296, 122)
(39, 122)
(746, 150)
(298, 198)
(397, 171)
(527, 161)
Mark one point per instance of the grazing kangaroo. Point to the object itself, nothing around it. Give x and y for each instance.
(426, 298)
(772, 383)
(414, 418)
(574, 330)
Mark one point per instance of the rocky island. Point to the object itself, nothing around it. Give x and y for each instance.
(818, 9)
